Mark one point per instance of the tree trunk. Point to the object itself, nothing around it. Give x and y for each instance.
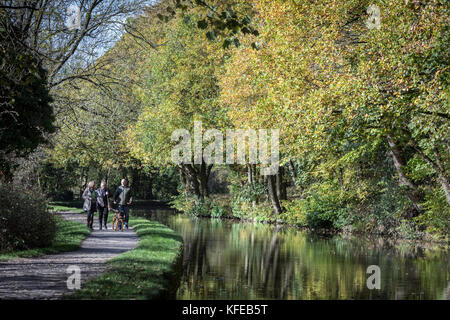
(412, 191)
(195, 186)
(281, 184)
(108, 172)
(183, 180)
(445, 185)
(198, 178)
(271, 184)
(191, 175)
(294, 173)
(149, 193)
(262, 179)
(203, 181)
(442, 177)
(203, 176)
(294, 178)
(438, 167)
(278, 182)
(250, 174)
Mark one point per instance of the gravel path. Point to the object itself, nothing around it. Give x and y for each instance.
(46, 277)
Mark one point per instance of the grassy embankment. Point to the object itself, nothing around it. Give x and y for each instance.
(150, 271)
(69, 235)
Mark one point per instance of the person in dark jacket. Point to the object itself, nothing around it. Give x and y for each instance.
(90, 203)
(123, 197)
(102, 204)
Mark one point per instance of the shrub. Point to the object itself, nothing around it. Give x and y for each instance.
(62, 195)
(261, 212)
(201, 208)
(204, 208)
(295, 213)
(164, 184)
(326, 208)
(247, 193)
(237, 210)
(243, 198)
(436, 218)
(407, 230)
(182, 203)
(381, 211)
(25, 222)
(217, 211)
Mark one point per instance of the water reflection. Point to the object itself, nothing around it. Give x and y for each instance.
(232, 260)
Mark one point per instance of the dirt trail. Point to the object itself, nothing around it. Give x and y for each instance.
(46, 277)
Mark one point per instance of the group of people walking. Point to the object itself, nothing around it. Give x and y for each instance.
(100, 200)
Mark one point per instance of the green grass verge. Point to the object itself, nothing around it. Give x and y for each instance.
(147, 272)
(69, 235)
(61, 208)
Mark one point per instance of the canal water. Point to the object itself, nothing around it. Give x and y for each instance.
(235, 260)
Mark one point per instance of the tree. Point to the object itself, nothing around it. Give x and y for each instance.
(44, 54)
(181, 87)
(26, 114)
(218, 19)
(342, 94)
